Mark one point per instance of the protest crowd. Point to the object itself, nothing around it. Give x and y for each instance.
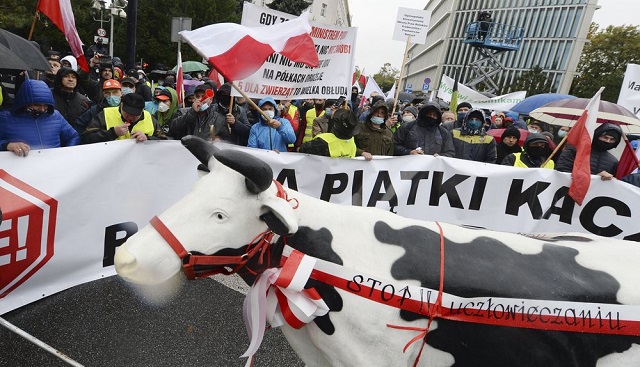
(70, 106)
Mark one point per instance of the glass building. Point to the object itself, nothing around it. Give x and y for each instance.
(555, 32)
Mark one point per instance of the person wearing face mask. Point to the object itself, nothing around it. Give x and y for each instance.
(128, 85)
(321, 123)
(461, 111)
(33, 123)
(274, 133)
(472, 142)
(535, 151)
(129, 120)
(534, 127)
(112, 93)
(304, 106)
(236, 127)
(200, 119)
(313, 113)
(375, 137)
(67, 100)
(167, 102)
(560, 134)
(604, 164)
(339, 142)
(424, 135)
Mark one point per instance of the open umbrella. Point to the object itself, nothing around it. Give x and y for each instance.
(497, 134)
(10, 61)
(566, 112)
(530, 103)
(25, 50)
(191, 66)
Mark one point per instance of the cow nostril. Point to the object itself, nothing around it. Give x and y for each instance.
(123, 259)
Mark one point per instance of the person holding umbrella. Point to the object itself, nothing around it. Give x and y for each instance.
(604, 164)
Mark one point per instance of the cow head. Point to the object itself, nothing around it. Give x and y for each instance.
(233, 202)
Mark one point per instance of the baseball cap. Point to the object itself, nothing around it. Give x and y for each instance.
(164, 95)
(111, 84)
(132, 104)
(128, 80)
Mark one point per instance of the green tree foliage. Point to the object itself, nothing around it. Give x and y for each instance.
(386, 77)
(293, 7)
(604, 61)
(534, 81)
(153, 45)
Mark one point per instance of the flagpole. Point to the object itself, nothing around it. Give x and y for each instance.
(33, 24)
(404, 60)
(555, 151)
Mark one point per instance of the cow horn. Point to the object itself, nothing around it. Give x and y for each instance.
(258, 175)
(200, 148)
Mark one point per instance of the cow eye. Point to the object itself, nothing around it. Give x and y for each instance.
(219, 216)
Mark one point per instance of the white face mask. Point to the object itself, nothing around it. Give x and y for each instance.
(407, 118)
(377, 120)
(126, 90)
(270, 113)
(162, 107)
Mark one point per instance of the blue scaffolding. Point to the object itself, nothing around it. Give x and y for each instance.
(490, 39)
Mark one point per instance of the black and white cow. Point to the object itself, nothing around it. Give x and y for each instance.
(236, 201)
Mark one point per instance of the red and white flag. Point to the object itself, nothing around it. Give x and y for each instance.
(180, 80)
(581, 136)
(61, 14)
(237, 51)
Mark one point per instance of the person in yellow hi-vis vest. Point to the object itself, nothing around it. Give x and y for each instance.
(338, 143)
(127, 121)
(535, 152)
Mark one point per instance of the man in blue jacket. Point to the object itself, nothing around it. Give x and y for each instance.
(273, 134)
(33, 123)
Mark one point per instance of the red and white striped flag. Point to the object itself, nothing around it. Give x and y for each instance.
(238, 51)
(61, 14)
(581, 136)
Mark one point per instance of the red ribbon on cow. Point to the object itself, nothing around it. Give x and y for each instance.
(435, 310)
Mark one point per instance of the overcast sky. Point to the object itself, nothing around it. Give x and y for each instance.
(376, 19)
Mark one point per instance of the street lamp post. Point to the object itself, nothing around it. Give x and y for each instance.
(115, 10)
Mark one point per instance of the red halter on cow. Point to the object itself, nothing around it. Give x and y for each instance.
(357, 286)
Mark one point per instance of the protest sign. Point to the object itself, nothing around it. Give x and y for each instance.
(478, 100)
(629, 97)
(412, 23)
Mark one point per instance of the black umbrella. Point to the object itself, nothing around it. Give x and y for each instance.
(10, 61)
(405, 96)
(25, 50)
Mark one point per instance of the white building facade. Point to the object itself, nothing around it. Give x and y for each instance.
(555, 32)
(333, 12)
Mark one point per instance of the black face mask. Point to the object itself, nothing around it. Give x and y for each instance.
(222, 108)
(602, 146)
(34, 113)
(537, 152)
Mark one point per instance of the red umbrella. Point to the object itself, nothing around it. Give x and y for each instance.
(566, 112)
(497, 134)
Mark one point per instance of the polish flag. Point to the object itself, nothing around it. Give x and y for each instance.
(180, 80)
(581, 136)
(61, 14)
(237, 51)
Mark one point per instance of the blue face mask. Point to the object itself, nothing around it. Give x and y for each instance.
(377, 120)
(327, 111)
(474, 124)
(113, 101)
(204, 107)
(461, 115)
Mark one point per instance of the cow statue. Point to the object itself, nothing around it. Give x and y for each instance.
(507, 299)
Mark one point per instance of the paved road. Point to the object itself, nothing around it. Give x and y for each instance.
(104, 323)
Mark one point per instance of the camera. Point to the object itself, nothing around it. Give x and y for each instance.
(105, 59)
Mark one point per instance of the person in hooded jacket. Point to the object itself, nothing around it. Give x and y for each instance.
(167, 108)
(273, 134)
(604, 164)
(509, 143)
(471, 141)
(67, 100)
(33, 122)
(424, 135)
(375, 137)
(535, 151)
(236, 127)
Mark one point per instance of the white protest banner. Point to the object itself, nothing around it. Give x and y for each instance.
(282, 79)
(412, 23)
(630, 90)
(66, 210)
(477, 100)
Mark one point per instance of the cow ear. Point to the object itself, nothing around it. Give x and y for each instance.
(279, 216)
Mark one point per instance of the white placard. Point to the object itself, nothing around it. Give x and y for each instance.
(465, 94)
(629, 97)
(414, 23)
